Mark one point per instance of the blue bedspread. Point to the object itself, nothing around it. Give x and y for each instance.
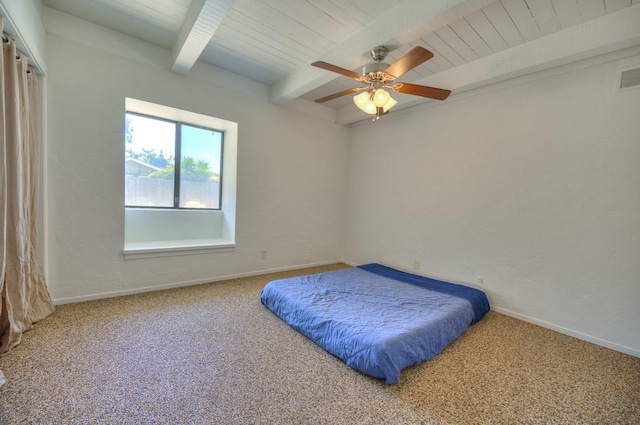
(377, 319)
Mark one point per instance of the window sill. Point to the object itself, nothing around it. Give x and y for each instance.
(151, 249)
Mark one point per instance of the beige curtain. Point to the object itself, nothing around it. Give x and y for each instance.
(25, 297)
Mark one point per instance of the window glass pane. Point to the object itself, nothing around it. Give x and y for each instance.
(149, 161)
(200, 154)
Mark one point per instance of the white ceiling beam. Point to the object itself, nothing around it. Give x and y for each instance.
(615, 31)
(202, 20)
(400, 26)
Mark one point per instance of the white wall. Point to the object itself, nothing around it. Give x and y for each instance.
(291, 167)
(534, 187)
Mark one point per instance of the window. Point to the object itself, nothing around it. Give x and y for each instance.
(171, 164)
(188, 162)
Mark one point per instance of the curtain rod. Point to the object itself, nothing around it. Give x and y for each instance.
(19, 54)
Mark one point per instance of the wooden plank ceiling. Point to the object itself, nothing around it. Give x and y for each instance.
(274, 41)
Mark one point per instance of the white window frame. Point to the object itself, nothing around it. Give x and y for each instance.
(151, 232)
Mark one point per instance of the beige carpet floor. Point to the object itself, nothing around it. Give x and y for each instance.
(212, 354)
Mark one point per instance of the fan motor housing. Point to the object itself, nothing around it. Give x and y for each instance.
(374, 67)
(378, 54)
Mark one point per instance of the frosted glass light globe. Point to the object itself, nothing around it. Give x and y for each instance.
(381, 97)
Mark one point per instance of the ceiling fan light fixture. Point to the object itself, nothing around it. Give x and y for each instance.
(370, 102)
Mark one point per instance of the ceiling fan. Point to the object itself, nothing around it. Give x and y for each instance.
(378, 76)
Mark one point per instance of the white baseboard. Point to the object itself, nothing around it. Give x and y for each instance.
(547, 325)
(506, 312)
(562, 330)
(91, 297)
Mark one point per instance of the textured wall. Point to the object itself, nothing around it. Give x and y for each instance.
(290, 170)
(533, 187)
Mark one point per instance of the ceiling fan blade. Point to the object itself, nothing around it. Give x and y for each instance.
(424, 91)
(337, 69)
(415, 57)
(339, 94)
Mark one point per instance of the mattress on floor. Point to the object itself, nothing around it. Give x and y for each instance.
(377, 319)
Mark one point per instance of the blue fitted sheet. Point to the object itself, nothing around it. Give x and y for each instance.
(377, 319)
